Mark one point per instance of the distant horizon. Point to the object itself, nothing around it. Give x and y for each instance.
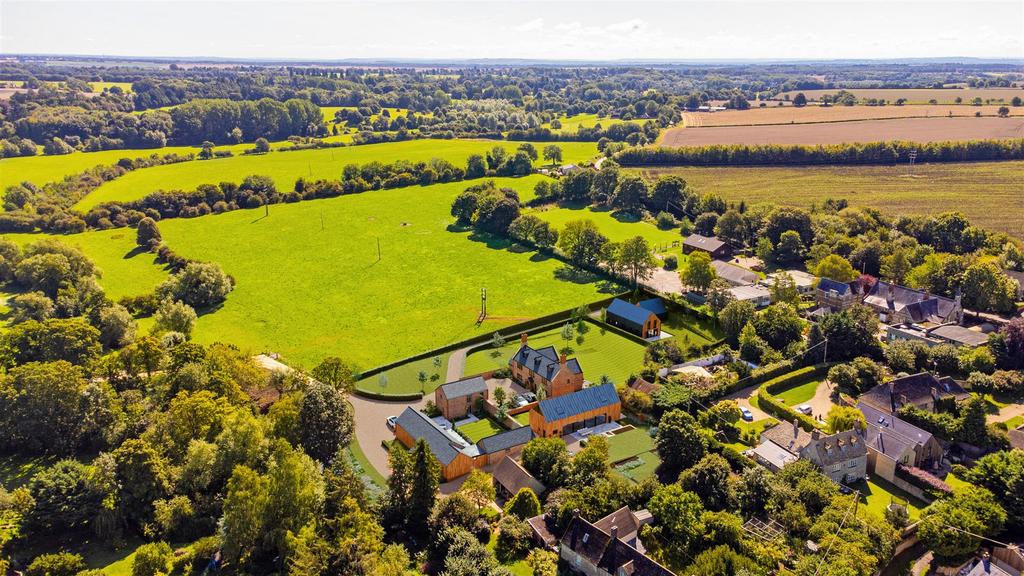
(558, 30)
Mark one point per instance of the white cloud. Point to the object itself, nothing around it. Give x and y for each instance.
(531, 26)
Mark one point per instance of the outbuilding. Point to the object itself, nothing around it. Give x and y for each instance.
(632, 318)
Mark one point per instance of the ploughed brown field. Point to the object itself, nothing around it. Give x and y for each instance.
(815, 114)
(909, 129)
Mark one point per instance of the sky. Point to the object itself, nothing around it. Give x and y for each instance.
(549, 29)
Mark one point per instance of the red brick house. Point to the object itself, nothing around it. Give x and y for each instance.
(545, 368)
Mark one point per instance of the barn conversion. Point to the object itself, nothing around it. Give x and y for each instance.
(584, 409)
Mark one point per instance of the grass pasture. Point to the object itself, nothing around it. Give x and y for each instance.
(815, 114)
(125, 269)
(938, 129)
(101, 86)
(615, 226)
(309, 283)
(918, 95)
(993, 188)
(599, 351)
(575, 122)
(286, 167)
(690, 330)
(404, 378)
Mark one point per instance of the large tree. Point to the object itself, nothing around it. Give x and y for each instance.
(635, 259)
(680, 442)
(835, 267)
(697, 272)
(325, 421)
(581, 241)
(970, 511)
(548, 460)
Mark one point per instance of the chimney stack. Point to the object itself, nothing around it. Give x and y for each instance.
(615, 532)
(892, 294)
(815, 434)
(796, 428)
(562, 359)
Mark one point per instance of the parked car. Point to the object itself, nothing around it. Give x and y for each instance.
(519, 401)
(804, 409)
(530, 397)
(391, 421)
(746, 414)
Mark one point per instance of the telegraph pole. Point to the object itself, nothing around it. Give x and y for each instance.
(910, 166)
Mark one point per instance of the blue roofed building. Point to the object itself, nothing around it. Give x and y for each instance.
(584, 409)
(632, 318)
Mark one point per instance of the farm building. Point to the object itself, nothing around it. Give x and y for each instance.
(632, 318)
(733, 274)
(590, 550)
(503, 444)
(509, 478)
(756, 294)
(583, 409)
(710, 244)
(456, 399)
(804, 282)
(942, 334)
(891, 442)
(455, 454)
(545, 369)
(921, 390)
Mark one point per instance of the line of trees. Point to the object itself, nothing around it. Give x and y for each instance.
(852, 153)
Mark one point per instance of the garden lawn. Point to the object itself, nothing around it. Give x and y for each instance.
(125, 269)
(799, 393)
(877, 494)
(404, 378)
(600, 352)
(310, 285)
(517, 568)
(16, 471)
(629, 444)
(756, 426)
(689, 330)
(642, 468)
(481, 429)
(523, 418)
(285, 168)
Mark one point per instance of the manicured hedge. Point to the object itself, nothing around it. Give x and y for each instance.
(767, 402)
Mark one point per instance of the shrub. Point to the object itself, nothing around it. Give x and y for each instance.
(671, 262)
(60, 564)
(151, 559)
(513, 538)
(665, 220)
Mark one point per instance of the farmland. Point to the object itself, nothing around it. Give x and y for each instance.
(814, 114)
(909, 129)
(993, 187)
(286, 167)
(577, 121)
(919, 95)
(310, 284)
(615, 226)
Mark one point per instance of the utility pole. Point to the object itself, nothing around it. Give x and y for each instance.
(825, 360)
(910, 166)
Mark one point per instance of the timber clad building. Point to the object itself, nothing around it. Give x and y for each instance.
(545, 368)
(584, 409)
(456, 399)
(635, 318)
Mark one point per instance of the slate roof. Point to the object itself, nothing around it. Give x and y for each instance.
(916, 388)
(641, 385)
(514, 477)
(419, 425)
(834, 448)
(466, 387)
(607, 553)
(708, 243)
(541, 530)
(774, 454)
(628, 313)
(656, 305)
(829, 285)
(920, 306)
(561, 407)
(877, 419)
(543, 362)
(787, 435)
(888, 442)
(505, 440)
(751, 292)
(733, 274)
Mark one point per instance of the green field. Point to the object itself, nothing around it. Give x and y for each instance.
(629, 444)
(601, 353)
(309, 284)
(993, 188)
(573, 123)
(481, 429)
(42, 169)
(125, 269)
(100, 86)
(404, 378)
(616, 226)
(287, 167)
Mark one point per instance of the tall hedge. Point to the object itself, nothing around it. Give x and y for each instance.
(801, 155)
